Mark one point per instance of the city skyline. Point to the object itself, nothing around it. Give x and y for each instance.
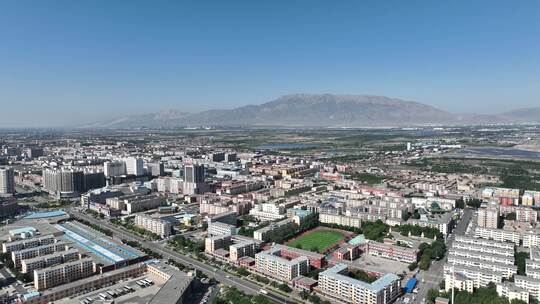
(67, 63)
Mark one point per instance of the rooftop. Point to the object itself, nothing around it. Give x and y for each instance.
(376, 286)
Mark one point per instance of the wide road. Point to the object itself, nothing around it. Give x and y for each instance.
(432, 278)
(212, 272)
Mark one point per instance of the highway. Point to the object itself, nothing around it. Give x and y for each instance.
(211, 271)
(432, 278)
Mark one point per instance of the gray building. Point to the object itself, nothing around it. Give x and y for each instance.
(7, 181)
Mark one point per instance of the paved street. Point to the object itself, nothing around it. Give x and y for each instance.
(433, 277)
(210, 271)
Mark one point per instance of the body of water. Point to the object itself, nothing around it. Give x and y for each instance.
(284, 146)
(503, 152)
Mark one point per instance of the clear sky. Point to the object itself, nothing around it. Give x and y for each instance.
(64, 62)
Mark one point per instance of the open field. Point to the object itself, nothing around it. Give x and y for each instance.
(318, 240)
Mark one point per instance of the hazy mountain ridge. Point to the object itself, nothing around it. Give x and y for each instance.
(324, 110)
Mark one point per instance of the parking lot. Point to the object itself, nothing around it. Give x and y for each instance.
(135, 294)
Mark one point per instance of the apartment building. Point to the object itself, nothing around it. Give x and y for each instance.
(241, 249)
(39, 262)
(499, 235)
(512, 292)
(531, 239)
(444, 222)
(219, 228)
(393, 252)
(341, 220)
(17, 256)
(461, 239)
(268, 211)
(488, 217)
(530, 284)
(334, 283)
(279, 228)
(8, 247)
(489, 263)
(214, 243)
(136, 202)
(462, 247)
(272, 264)
(158, 226)
(63, 273)
(465, 277)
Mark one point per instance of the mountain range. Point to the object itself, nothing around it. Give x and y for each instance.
(323, 110)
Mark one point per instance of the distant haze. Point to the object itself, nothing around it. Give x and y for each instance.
(70, 63)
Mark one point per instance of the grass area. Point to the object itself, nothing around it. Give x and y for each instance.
(317, 240)
(367, 178)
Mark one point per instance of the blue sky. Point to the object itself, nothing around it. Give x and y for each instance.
(64, 62)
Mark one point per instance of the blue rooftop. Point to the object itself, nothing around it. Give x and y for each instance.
(359, 239)
(46, 214)
(31, 295)
(410, 285)
(21, 230)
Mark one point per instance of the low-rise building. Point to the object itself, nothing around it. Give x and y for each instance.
(63, 273)
(393, 252)
(158, 226)
(272, 264)
(334, 283)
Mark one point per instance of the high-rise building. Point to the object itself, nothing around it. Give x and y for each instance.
(34, 152)
(114, 168)
(134, 166)
(7, 182)
(63, 181)
(194, 173)
(488, 217)
(155, 169)
(193, 179)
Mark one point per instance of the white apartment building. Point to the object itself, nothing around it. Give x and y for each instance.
(17, 256)
(469, 277)
(530, 284)
(265, 233)
(334, 283)
(268, 211)
(155, 225)
(342, 220)
(8, 247)
(483, 264)
(483, 242)
(219, 228)
(271, 263)
(39, 262)
(512, 292)
(134, 166)
(499, 235)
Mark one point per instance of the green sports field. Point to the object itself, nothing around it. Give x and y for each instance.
(317, 240)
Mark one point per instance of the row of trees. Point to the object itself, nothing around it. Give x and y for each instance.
(147, 251)
(105, 231)
(372, 230)
(181, 243)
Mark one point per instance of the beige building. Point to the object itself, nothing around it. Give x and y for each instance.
(63, 273)
(488, 217)
(336, 284)
(240, 250)
(270, 263)
(155, 225)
